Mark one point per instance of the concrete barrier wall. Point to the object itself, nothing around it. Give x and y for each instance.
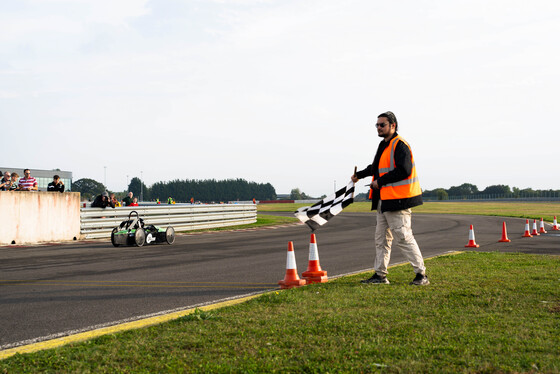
(35, 217)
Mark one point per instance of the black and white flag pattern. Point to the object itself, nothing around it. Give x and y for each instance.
(319, 213)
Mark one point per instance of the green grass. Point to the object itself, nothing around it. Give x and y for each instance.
(532, 210)
(483, 313)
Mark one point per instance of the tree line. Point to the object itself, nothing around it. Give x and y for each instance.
(468, 191)
(208, 190)
(471, 191)
(211, 190)
(239, 189)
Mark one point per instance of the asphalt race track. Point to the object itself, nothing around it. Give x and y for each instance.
(53, 290)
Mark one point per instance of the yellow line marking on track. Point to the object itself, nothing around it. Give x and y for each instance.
(145, 322)
(58, 342)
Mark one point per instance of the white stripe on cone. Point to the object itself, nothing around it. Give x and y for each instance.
(313, 252)
(291, 260)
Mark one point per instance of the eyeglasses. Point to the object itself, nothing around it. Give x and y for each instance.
(380, 125)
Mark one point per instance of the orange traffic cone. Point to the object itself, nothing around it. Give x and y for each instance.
(527, 234)
(291, 279)
(555, 225)
(504, 234)
(541, 229)
(472, 243)
(314, 273)
(535, 232)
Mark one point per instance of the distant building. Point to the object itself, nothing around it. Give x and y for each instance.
(44, 177)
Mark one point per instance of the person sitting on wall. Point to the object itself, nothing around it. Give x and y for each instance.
(5, 182)
(28, 183)
(134, 202)
(56, 185)
(102, 201)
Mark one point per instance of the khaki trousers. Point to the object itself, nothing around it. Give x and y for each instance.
(396, 227)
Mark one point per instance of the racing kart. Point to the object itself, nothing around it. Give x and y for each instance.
(135, 232)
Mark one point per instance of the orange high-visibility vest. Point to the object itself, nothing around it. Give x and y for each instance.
(403, 189)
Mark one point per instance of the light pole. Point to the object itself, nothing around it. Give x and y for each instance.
(105, 176)
(127, 183)
(141, 186)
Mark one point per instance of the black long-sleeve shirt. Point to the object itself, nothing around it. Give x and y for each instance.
(101, 202)
(52, 187)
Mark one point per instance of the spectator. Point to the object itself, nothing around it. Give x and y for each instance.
(115, 201)
(28, 183)
(134, 202)
(56, 185)
(5, 182)
(13, 186)
(128, 199)
(102, 201)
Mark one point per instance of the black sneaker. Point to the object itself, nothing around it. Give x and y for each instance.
(376, 279)
(420, 280)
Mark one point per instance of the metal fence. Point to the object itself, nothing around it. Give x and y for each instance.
(98, 222)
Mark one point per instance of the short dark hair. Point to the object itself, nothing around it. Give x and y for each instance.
(26, 170)
(56, 177)
(391, 117)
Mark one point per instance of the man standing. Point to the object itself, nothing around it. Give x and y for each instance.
(127, 199)
(394, 190)
(56, 185)
(28, 183)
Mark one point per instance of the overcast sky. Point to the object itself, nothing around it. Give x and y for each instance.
(282, 92)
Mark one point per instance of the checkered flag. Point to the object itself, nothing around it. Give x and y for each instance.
(319, 213)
